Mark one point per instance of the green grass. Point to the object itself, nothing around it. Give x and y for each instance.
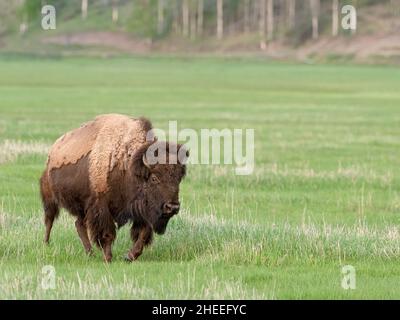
(325, 191)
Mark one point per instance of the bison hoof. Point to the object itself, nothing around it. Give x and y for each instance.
(107, 259)
(130, 257)
(127, 258)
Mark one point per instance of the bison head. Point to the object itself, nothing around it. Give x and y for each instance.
(161, 166)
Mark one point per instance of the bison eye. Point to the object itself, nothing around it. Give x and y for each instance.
(154, 179)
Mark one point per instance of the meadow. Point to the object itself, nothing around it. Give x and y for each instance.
(325, 191)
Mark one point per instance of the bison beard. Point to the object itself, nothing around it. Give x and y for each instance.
(145, 195)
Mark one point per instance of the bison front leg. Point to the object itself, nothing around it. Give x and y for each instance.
(106, 243)
(141, 236)
(102, 229)
(83, 235)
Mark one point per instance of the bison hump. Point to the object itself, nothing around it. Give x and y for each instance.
(118, 139)
(72, 146)
(109, 140)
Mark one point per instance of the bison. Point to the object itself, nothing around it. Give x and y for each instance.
(101, 174)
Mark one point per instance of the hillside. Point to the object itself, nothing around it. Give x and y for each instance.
(377, 38)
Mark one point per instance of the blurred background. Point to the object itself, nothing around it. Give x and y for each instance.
(324, 105)
(282, 29)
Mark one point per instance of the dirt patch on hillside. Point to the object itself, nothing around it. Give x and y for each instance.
(358, 47)
(115, 41)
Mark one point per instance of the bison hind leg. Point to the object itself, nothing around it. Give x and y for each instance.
(50, 206)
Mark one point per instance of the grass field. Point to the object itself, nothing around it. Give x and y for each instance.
(325, 191)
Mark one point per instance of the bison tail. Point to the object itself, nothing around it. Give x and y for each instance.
(50, 206)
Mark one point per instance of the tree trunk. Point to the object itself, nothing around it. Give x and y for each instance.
(23, 27)
(314, 4)
(185, 18)
(261, 23)
(192, 22)
(84, 8)
(160, 17)
(270, 20)
(200, 13)
(220, 19)
(354, 2)
(246, 11)
(255, 14)
(291, 14)
(115, 13)
(175, 16)
(335, 17)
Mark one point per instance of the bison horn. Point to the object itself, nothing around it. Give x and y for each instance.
(145, 161)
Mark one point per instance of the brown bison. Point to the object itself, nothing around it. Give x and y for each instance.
(102, 175)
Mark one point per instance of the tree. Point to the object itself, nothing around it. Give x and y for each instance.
(335, 17)
(143, 20)
(261, 23)
(254, 13)
(185, 17)
(175, 16)
(200, 15)
(115, 13)
(220, 19)
(270, 19)
(84, 8)
(266, 19)
(30, 9)
(315, 6)
(246, 17)
(160, 16)
(291, 8)
(192, 21)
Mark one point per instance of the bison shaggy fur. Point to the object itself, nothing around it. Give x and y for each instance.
(100, 174)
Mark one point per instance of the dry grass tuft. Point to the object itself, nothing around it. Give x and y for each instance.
(11, 149)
